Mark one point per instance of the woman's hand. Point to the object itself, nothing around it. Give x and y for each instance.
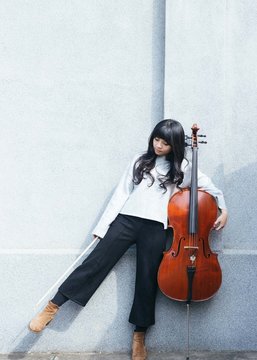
(221, 220)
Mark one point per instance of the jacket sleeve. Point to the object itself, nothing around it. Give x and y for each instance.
(117, 201)
(204, 183)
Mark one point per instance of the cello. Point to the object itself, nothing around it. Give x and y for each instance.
(189, 270)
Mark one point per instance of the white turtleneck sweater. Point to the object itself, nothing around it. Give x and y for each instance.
(150, 202)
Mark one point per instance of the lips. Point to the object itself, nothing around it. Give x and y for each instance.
(156, 150)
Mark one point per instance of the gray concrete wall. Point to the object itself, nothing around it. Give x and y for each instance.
(81, 86)
(211, 77)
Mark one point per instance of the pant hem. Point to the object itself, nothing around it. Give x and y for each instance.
(141, 325)
(73, 300)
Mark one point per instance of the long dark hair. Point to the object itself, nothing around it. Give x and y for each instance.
(173, 133)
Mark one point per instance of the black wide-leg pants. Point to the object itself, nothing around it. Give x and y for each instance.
(149, 237)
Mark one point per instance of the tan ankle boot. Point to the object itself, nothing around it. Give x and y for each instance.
(138, 346)
(41, 320)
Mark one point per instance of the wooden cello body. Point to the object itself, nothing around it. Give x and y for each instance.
(189, 270)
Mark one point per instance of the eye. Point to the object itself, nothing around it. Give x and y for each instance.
(156, 139)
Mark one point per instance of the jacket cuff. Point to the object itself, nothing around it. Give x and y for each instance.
(100, 232)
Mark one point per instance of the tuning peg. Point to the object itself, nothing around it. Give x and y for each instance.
(201, 135)
(202, 142)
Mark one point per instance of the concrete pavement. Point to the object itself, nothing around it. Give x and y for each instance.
(194, 355)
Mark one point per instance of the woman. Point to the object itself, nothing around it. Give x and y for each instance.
(136, 214)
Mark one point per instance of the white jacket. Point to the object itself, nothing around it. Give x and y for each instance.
(150, 202)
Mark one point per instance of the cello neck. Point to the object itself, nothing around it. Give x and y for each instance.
(193, 205)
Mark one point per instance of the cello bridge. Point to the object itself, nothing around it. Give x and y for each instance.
(191, 247)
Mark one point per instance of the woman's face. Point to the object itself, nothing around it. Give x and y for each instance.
(161, 147)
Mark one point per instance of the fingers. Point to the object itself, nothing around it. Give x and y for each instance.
(219, 223)
(221, 220)
(219, 227)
